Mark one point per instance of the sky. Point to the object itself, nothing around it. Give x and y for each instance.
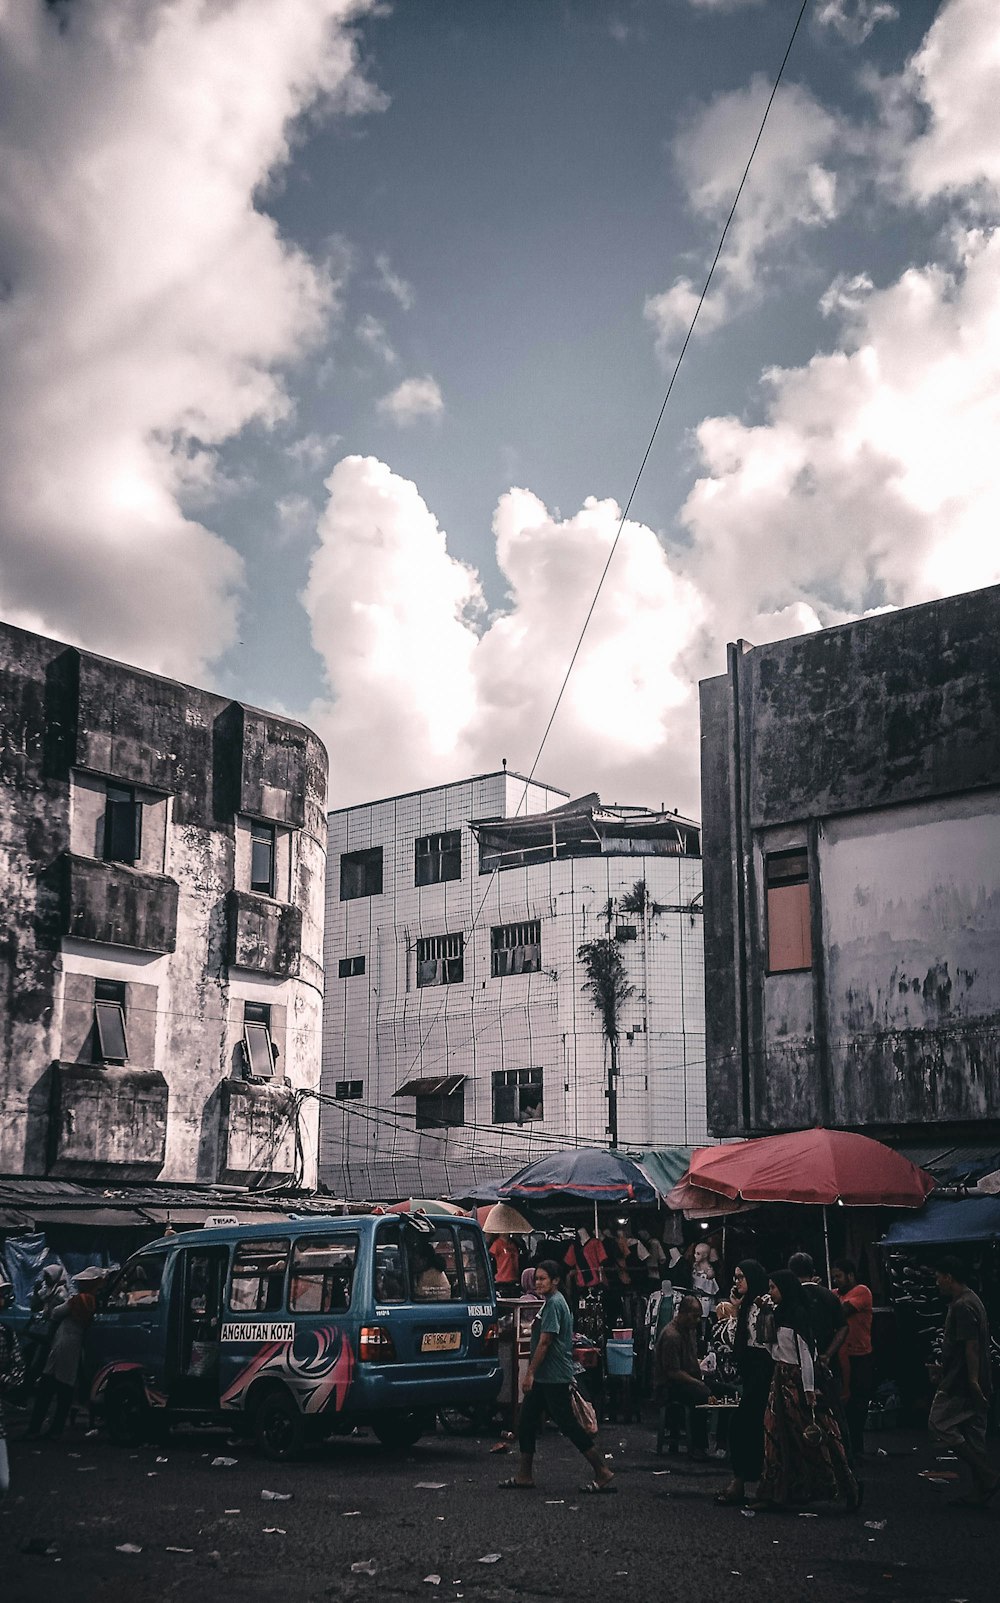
(332, 334)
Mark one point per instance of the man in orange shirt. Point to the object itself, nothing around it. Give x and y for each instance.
(506, 1266)
(856, 1352)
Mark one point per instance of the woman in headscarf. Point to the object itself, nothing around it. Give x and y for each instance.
(62, 1366)
(752, 1340)
(49, 1292)
(804, 1458)
(11, 1378)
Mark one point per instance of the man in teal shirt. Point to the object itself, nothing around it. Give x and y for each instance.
(547, 1384)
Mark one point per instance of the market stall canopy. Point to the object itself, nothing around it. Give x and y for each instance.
(588, 1174)
(663, 1167)
(812, 1166)
(943, 1223)
(694, 1202)
(485, 1193)
(423, 1205)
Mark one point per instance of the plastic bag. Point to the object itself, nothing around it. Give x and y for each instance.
(583, 1411)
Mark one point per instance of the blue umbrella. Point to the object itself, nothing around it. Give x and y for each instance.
(588, 1174)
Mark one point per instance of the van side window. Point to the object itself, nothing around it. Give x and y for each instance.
(433, 1266)
(138, 1285)
(390, 1285)
(322, 1274)
(475, 1273)
(257, 1284)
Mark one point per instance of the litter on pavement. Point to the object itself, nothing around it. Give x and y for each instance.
(274, 1530)
(874, 1525)
(364, 1566)
(430, 1486)
(127, 1547)
(432, 1580)
(490, 1558)
(179, 1550)
(276, 1497)
(222, 1463)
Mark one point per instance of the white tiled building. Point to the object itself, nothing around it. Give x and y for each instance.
(458, 1040)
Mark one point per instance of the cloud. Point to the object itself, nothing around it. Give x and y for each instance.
(149, 306)
(953, 80)
(373, 334)
(296, 517)
(413, 399)
(393, 285)
(313, 451)
(854, 20)
(791, 187)
(425, 687)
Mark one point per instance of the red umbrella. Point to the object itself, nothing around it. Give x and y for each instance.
(812, 1166)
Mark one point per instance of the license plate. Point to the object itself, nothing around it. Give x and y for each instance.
(441, 1341)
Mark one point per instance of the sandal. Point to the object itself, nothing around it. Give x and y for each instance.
(512, 1484)
(597, 1488)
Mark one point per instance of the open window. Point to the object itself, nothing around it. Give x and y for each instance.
(122, 825)
(257, 1282)
(262, 858)
(138, 1285)
(441, 960)
(517, 1095)
(789, 911)
(259, 1050)
(516, 948)
(322, 1274)
(360, 874)
(438, 858)
(110, 1040)
(438, 1100)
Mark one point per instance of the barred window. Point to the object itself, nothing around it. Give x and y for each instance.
(516, 948)
(517, 1095)
(440, 960)
(438, 858)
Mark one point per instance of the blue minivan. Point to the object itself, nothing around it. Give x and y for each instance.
(293, 1332)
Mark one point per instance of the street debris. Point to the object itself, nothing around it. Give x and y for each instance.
(127, 1547)
(875, 1525)
(276, 1497)
(274, 1530)
(179, 1550)
(808, 1516)
(163, 1461)
(749, 1513)
(490, 1558)
(940, 1477)
(364, 1566)
(430, 1486)
(554, 1502)
(349, 1513)
(39, 1547)
(432, 1580)
(223, 1463)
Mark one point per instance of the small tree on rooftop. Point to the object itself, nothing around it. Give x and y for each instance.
(608, 988)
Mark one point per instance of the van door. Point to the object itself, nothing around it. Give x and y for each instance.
(199, 1280)
(128, 1333)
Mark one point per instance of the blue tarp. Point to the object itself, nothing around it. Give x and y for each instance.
(941, 1223)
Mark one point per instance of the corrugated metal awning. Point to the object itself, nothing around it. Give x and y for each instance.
(90, 1218)
(438, 1085)
(956, 1162)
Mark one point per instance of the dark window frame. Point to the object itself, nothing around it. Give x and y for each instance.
(122, 825)
(257, 1039)
(437, 859)
(440, 1112)
(361, 874)
(511, 1089)
(110, 1028)
(348, 1241)
(243, 1250)
(785, 870)
(349, 1090)
(263, 856)
(440, 960)
(506, 940)
(349, 968)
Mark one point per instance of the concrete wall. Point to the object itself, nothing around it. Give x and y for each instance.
(203, 767)
(381, 1029)
(875, 746)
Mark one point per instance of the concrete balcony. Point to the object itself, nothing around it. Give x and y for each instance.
(257, 1132)
(118, 906)
(262, 935)
(107, 1123)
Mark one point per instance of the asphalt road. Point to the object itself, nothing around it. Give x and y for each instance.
(207, 1534)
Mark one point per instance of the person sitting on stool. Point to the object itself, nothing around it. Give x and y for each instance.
(677, 1376)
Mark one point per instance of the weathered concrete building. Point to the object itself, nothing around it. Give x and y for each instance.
(458, 1039)
(851, 827)
(162, 863)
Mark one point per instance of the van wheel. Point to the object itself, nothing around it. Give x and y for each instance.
(397, 1431)
(126, 1414)
(278, 1428)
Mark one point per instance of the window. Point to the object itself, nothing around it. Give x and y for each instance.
(475, 1273)
(257, 1284)
(390, 1281)
(438, 858)
(259, 1050)
(138, 1285)
(789, 928)
(360, 874)
(122, 825)
(322, 1274)
(262, 841)
(109, 1022)
(626, 932)
(516, 948)
(440, 960)
(517, 1095)
(349, 1090)
(349, 967)
(442, 1111)
(433, 1265)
